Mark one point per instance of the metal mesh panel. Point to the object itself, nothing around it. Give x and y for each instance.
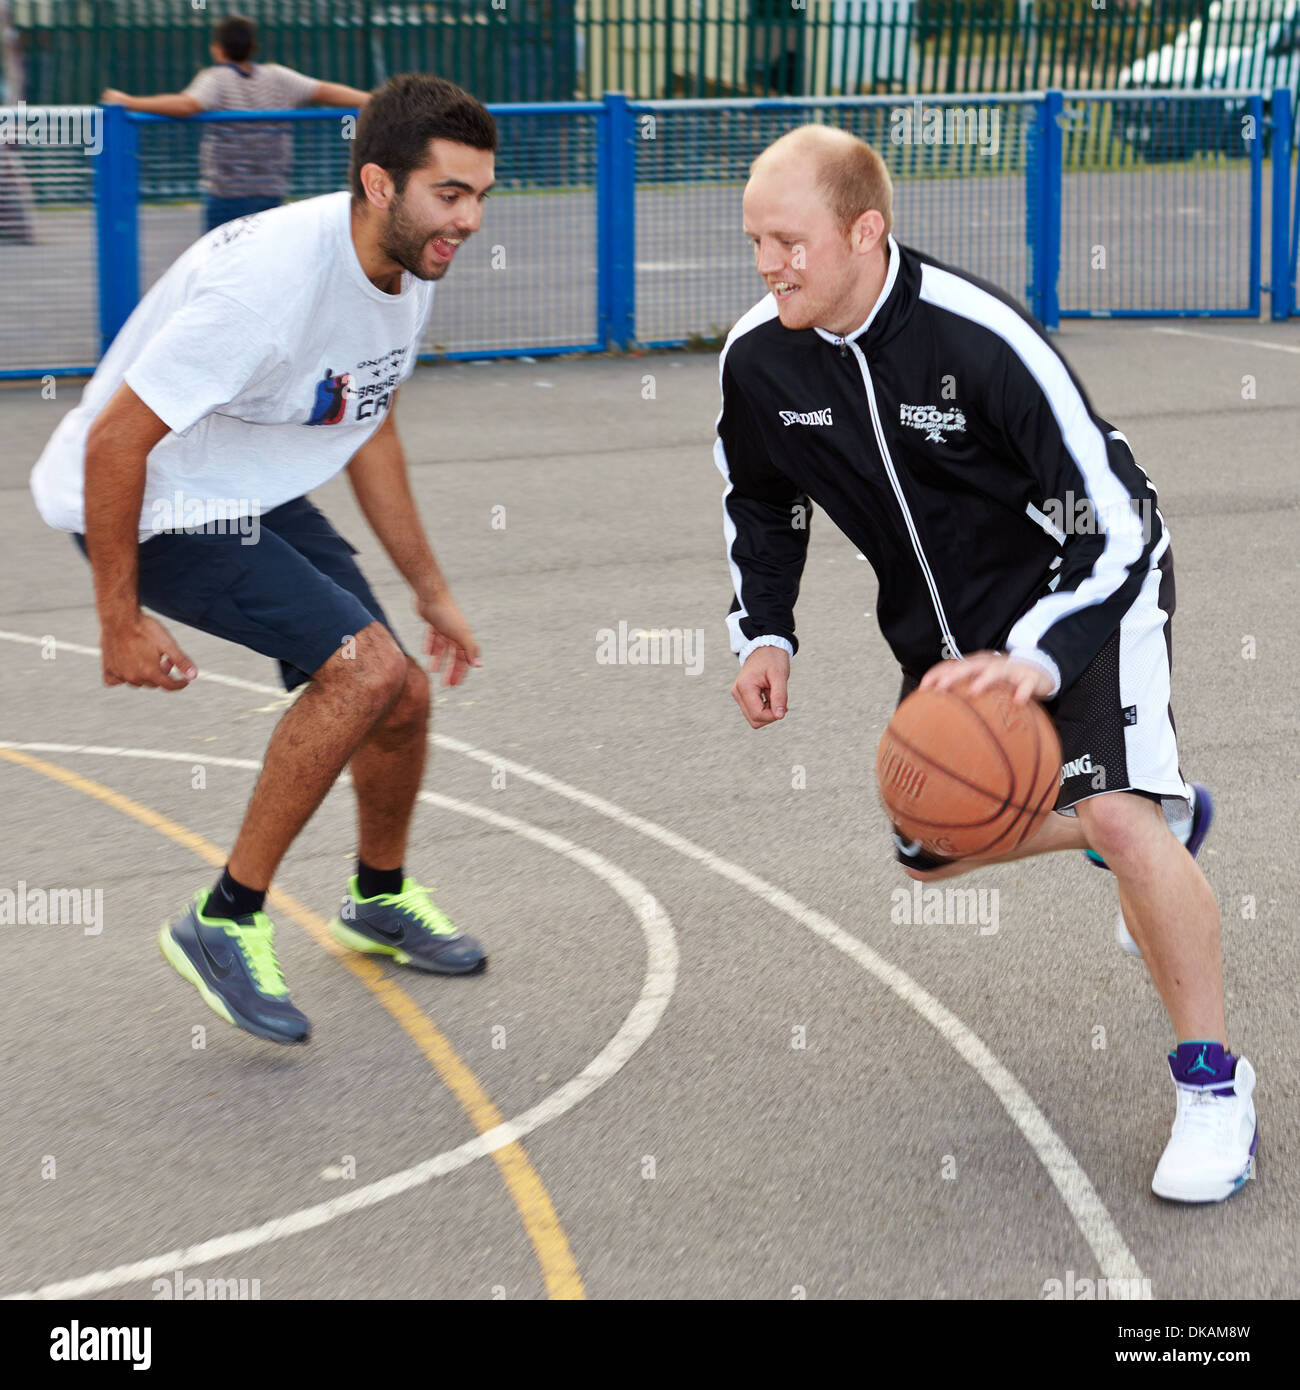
(48, 304)
(959, 195)
(1167, 186)
(1156, 205)
(525, 280)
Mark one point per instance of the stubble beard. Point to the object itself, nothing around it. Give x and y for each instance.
(404, 242)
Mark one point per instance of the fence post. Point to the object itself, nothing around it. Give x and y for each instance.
(117, 211)
(616, 224)
(1043, 209)
(1281, 270)
(1033, 199)
(1049, 210)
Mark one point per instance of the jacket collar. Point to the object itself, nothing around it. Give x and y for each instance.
(883, 305)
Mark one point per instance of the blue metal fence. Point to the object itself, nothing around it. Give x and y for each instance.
(1285, 296)
(617, 223)
(1163, 236)
(694, 271)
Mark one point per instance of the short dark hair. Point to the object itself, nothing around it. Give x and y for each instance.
(236, 36)
(407, 112)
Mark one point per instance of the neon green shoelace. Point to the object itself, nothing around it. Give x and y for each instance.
(259, 955)
(417, 902)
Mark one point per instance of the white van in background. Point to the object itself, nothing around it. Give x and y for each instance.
(1194, 62)
(872, 41)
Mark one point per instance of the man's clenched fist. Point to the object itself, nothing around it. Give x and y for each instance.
(760, 689)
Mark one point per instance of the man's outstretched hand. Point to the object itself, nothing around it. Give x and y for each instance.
(760, 689)
(449, 642)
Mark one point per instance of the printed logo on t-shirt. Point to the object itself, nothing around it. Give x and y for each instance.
(233, 231)
(376, 395)
(331, 398)
(337, 390)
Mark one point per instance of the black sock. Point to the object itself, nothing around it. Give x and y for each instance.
(231, 899)
(372, 882)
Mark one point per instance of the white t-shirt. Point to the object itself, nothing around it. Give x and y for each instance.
(268, 353)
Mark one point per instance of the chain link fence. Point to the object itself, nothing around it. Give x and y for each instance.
(618, 223)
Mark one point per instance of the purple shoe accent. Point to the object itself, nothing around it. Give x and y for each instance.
(1245, 1177)
(1202, 818)
(1203, 1064)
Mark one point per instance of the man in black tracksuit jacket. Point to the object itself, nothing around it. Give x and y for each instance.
(1015, 540)
(935, 446)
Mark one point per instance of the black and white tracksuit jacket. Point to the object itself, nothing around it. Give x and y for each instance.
(953, 446)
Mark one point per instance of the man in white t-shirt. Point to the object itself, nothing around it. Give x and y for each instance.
(267, 359)
(245, 166)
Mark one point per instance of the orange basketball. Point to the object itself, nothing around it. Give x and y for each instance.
(968, 775)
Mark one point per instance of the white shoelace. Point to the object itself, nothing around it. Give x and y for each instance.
(1201, 1113)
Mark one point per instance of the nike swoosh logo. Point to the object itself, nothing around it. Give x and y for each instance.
(395, 937)
(219, 967)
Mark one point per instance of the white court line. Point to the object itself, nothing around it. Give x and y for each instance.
(1221, 338)
(656, 990)
(1077, 1192)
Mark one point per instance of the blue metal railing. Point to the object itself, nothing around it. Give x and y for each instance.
(1043, 210)
(1165, 190)
(1175, 228)
(1284, 213)
(1281, 255)
(616, 224)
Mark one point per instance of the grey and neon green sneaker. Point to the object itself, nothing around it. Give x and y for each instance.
(232, 964)
(408, 927)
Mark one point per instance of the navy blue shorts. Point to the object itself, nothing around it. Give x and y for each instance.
(296, 595)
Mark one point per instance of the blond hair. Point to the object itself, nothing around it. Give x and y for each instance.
(855, 180)
(852, 176)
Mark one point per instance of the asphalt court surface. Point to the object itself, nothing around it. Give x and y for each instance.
(659, 896)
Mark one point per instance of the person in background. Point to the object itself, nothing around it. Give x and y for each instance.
(245, 166)
(16, 201)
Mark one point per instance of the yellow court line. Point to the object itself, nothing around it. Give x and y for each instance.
(525, 1186)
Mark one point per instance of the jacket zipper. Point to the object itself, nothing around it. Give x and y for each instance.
(950, 648)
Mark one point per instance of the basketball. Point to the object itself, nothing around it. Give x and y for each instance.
(968, 775)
